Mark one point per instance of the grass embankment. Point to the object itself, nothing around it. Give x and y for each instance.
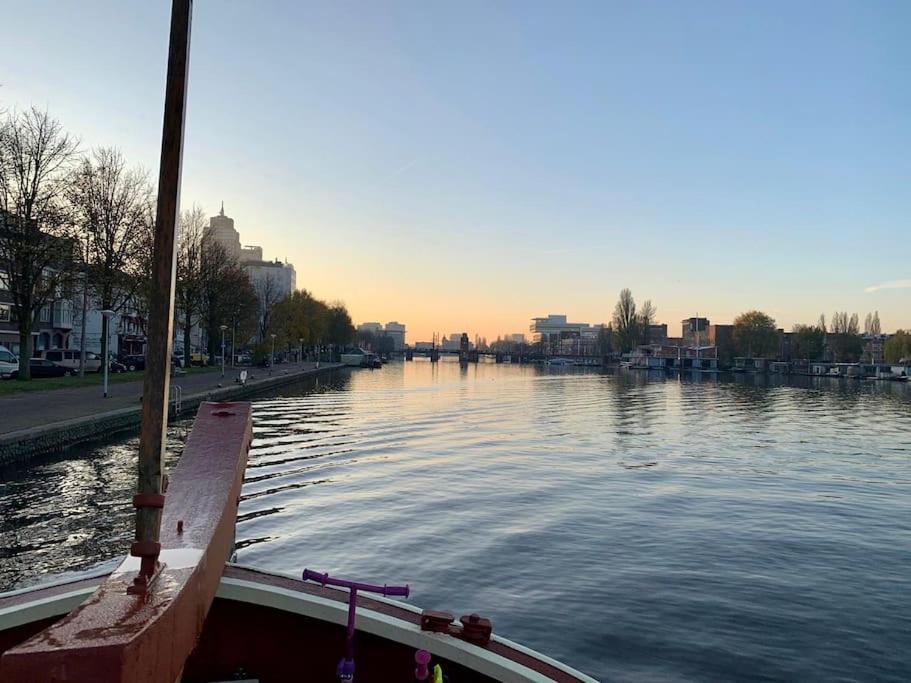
(13, 386)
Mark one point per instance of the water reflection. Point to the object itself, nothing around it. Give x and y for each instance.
(639, 526)
(65, 513)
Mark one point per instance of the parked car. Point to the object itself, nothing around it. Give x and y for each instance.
(117, 366)
(69, 360)
(134, 362)
(9, 363)
(39, 367)
(199, 358)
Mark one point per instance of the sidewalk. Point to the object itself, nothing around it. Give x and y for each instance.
(38, 422)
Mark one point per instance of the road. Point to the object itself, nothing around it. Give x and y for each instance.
(31, 409)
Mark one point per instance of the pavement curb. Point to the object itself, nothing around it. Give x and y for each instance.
(22, 445)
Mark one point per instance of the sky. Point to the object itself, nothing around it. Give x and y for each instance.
(471, 165)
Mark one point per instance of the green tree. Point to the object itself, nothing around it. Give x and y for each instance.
(340, 328)
(755, 335)
(626, 322)
(810, 342)
(294, 318)
(898, 347)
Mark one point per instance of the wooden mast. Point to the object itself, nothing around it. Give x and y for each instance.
(156, 384)
(133, 629)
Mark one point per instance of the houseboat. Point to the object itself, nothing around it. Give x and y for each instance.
(359, 358)
(820, 369)
(779, 367)
(750, 364)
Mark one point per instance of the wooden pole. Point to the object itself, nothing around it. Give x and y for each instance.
(153, 430)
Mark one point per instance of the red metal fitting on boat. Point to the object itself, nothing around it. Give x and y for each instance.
(148, 500)
(476, 629)
(145, 549)
(438, 622)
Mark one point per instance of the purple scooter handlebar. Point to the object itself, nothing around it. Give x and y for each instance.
(326, 580)
(345, 670)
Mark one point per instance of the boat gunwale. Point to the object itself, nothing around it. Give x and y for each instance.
(389, 619)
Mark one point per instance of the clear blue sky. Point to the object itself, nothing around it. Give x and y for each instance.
(520, 158)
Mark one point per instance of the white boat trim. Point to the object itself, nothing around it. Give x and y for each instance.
(53, 583)
(43, 608)
(417, 610)
(387, 627)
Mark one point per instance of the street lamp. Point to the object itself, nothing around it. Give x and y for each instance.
(233, 348)
(272, 362)
(300, 357)
(223, 328)
(106, 324)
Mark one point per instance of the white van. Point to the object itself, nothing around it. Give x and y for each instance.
(9, 363)
(69, 359)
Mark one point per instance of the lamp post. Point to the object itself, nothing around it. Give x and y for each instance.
(300, 356)
(106, 324)
(223, 328)
(233, 348)
(272, 362)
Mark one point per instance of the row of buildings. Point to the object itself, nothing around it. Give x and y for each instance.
(394, 331)
(699, 339)
(59, 324)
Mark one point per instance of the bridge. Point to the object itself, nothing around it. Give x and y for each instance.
(475, 356)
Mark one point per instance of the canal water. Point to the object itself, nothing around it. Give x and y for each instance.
(639, 528)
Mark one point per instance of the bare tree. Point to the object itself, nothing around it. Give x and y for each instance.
(189, 292)
(36, 236)
(626, 322)
(240, 306)
(843, 338)
(144, 264)
(875, 326)
(839, 323)
(268, 293)
(227, 295)
(112, 207)
(647, 315)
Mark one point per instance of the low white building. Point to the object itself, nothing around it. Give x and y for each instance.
(274, 276)
(556, 326)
